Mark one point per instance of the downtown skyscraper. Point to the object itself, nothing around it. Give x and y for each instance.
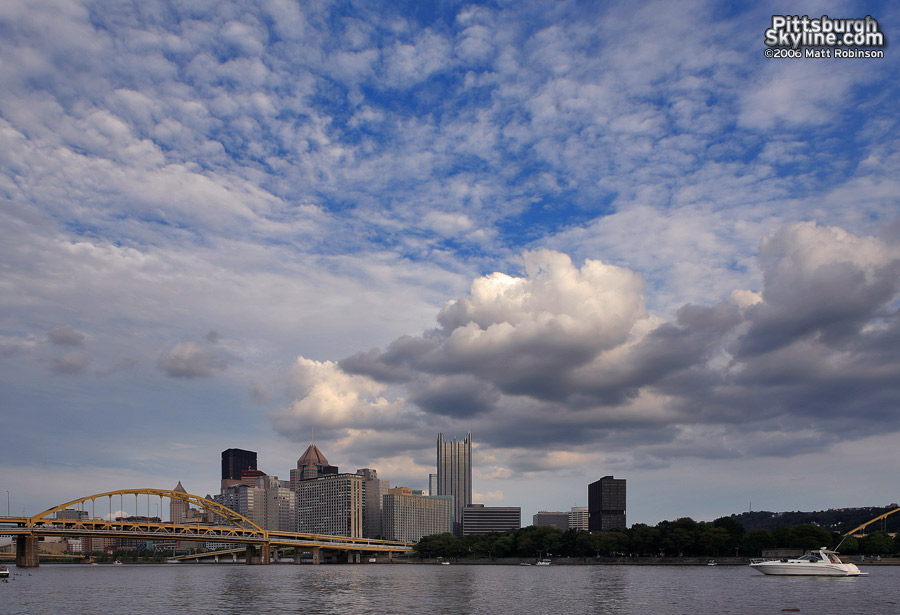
(606, 504)
(454, 475)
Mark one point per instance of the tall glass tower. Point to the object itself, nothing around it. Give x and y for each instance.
(454, 475)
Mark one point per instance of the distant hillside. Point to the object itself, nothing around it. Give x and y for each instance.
(835, 520)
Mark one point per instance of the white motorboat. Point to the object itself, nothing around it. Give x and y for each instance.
(542, 562)
(822, 562)
(4, 572)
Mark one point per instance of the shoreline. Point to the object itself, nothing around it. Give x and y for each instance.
(572, 561)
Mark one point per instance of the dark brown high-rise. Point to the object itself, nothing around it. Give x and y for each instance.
(606, 504)
(236, 460)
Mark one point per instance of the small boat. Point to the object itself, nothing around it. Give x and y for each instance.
(822, 562)
(4, 572)
(712, 562)
(117, 563)
(542, 562)
(445, 563)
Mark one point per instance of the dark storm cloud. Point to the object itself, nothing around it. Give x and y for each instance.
(393, 365)
(834, 306)
(458, 397)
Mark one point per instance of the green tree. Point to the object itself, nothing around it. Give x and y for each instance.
(850, 545)
(483, 545)
(783, 535)
(504, 545)
(809, 536)
(437, 545)
(735, 531)
(609, 543)
(715, 541)
(757, 540)
(679, 541)
(877, 543)
(566, 543)
(645, 540)
(534, 541)
(584, 544)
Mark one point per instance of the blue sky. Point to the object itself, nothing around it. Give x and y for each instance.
(605, 238)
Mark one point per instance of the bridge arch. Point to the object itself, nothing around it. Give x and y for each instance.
(232, 517)
(854, 531)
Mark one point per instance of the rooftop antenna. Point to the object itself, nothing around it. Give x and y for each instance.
(313, 429)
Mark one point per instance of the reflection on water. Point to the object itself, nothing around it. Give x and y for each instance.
(400, 589)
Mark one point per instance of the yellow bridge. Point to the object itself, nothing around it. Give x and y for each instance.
(858, 531)
(230, 528)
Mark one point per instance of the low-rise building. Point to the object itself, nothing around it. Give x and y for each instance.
(578, 518)
(558, 520)
(481, 519)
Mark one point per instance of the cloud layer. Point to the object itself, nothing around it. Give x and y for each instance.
(564, 359)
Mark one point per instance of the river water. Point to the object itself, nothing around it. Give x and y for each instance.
(385, 589)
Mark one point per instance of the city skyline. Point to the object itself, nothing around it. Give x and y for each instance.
(604, 239)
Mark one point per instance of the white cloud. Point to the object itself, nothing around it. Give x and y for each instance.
(331, 398)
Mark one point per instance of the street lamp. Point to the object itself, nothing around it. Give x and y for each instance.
(7, 503)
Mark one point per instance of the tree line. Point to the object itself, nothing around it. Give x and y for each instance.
(680, 538)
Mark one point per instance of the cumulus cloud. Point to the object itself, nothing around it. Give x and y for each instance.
(568, 358)
(329, 398)
(520, 335)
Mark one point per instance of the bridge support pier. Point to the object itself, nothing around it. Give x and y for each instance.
(317, 555)
(27, 552)
(258, 555)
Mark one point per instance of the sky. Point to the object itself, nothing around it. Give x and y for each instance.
(603, 238)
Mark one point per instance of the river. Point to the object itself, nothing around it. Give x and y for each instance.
(385, 589)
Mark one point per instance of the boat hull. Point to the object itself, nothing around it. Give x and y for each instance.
(807, 570)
